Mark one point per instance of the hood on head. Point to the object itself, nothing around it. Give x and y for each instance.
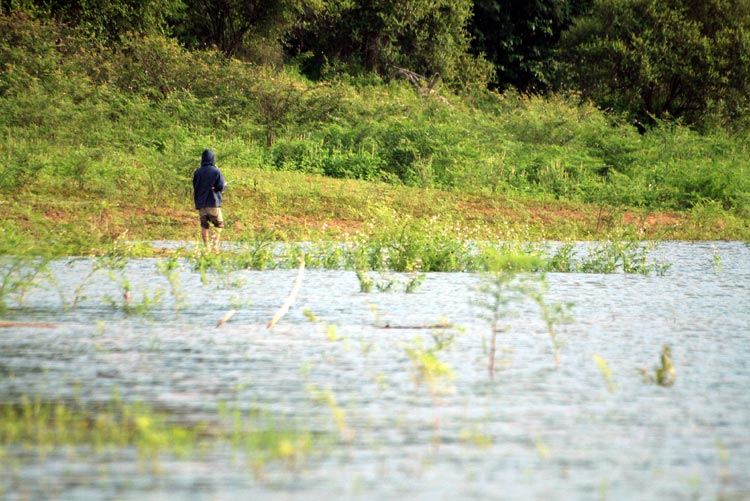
(208, 158)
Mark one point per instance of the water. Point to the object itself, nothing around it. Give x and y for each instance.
(532, 432)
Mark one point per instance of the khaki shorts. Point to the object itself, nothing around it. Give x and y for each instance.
(211, 215)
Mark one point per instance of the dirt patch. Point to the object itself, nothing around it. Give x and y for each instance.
(55, 215)
(659, 220)
(653, 224)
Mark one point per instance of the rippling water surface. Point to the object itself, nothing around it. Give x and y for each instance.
(532, 432)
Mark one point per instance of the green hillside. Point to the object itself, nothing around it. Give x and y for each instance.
(99, 142)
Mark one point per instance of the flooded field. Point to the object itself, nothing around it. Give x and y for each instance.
(394, 387)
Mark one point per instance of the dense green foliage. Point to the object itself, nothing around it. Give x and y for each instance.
(425, 36)
(519, 36)
(101, 20)
(251, 29)
(651, 59)
(658, 59)
(130, 121)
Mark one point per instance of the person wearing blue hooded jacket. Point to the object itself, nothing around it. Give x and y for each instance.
(208, 185)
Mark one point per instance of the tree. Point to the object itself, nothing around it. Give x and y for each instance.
(656, 59)
(104, 20)
(242, 28)
(518, 37)
(425, 36)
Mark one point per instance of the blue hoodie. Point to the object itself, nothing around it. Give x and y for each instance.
(208, 182)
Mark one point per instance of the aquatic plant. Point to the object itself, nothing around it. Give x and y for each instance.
(621, 252)
(310, 315)
(723, 453)
(542, 449)
(716, 264)
(98, 264)
(388, 282)
(332, 333)
(366, 283)
(443, 333)
(209, 264)
(328, 255)
(45, 426)
(553, 314)
(373, 254)
(413, 281)
(663, 374)
(428, 368)
(255, 250)
(628, 255)
(606, 372)
(472, 435)
(262, 438)
(433, 373)
(563, 259)
(327, 398)
(331, 330)
(170, 269)
(19, 274)
(402, 243)
(149, 299)
(502, 285)
(379, 317)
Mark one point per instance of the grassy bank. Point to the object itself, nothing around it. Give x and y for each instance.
(295, 206)
(99, 143)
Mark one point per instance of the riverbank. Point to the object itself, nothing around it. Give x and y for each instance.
(285, 206)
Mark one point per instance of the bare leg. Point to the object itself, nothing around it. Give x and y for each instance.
(204, 236)
(217, 234)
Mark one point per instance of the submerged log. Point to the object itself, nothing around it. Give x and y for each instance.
(428, 326)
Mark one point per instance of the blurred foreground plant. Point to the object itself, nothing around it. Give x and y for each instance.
(434, 373)
(603, 366)
(663, 374)
(505, 282)
(18, 275)
(552, 314)
(43, 427)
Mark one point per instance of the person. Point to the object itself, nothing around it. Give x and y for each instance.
(208, 185)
